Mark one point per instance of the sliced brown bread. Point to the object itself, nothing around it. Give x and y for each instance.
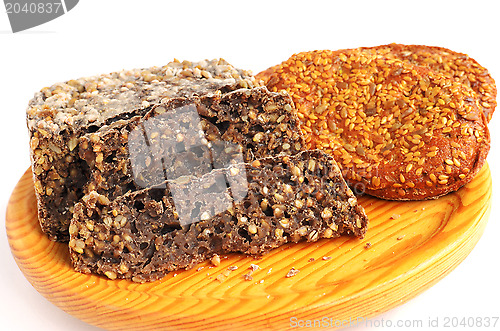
(142, 235)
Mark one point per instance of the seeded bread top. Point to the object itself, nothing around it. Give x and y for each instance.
(91, 100)
(459, 66)
(398, 130)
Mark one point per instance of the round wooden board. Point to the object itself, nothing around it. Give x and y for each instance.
(413, 245)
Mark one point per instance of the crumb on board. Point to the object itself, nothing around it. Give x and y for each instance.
(223, 275)
(292, 272)
(311, 259)
(326, 258)
(215, 260)
(254, 267)
(368, 245)
(395, 216)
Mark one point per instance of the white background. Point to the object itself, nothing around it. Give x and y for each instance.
(103, 36)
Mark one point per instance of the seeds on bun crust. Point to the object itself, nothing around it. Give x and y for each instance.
(452, 64)
(398, 130)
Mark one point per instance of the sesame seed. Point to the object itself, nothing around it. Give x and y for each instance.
(431, 154)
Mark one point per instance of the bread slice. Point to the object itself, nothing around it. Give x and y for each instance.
(249, 208)
(189, 136)
(59, 115)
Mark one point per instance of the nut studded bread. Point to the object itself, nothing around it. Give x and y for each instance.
(398, 130)
(189, 136)
(141, 236)
(58, 116)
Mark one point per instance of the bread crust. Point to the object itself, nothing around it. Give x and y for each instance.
(399, 130)
(460, 66)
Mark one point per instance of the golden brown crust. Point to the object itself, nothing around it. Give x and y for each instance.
(460, 66)
(398, 130)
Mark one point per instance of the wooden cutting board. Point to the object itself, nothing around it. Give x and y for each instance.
(408, 248)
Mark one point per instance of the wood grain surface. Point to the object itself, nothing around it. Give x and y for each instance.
(412, 246)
